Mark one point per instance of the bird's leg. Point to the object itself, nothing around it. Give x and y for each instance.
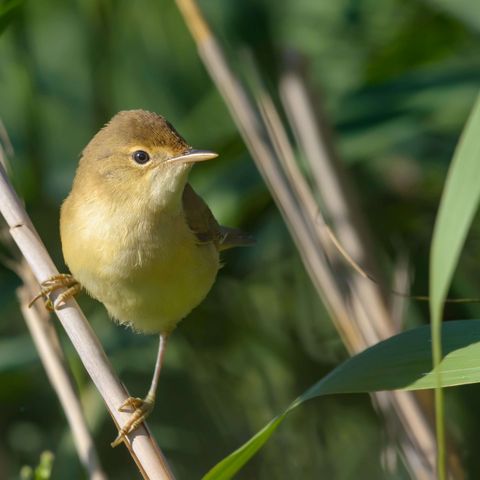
(62, 280)
(142, 407)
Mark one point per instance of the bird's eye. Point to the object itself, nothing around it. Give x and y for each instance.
(141, 156)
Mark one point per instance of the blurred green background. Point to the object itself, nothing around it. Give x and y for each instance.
(397, 77)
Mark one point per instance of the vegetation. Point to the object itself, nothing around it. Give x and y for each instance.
(397, 81)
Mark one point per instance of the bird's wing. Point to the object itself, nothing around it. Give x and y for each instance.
(206, 228)
(234, 237)
(199, 217)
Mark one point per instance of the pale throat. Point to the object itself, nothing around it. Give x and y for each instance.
(167, 185)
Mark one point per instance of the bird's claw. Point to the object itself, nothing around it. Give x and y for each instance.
(131, 403)
(62, 280)
(141, 410)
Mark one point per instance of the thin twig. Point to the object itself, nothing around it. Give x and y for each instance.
(341, 207)
(5, 140)
(140, 443)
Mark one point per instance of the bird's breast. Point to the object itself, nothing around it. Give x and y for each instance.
(147, 268)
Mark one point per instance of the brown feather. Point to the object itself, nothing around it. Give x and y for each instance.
(203, 224)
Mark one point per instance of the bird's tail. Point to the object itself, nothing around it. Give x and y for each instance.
(234, 237)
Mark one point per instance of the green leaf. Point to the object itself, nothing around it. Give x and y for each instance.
(402, 362)
(457, 208)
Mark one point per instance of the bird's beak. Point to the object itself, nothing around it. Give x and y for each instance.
(193, 156)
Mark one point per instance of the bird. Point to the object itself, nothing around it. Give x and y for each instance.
(137, 237)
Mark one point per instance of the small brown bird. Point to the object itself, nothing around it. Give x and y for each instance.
(137, 237)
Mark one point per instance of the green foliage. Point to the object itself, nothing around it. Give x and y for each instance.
(456, 212)
(457, 209)
(403, 362)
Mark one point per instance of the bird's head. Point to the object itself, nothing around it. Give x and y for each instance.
(139, 156)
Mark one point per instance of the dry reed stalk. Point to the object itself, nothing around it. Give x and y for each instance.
(357, 307)
(141, 444)
(414, 428)
(257, 141)
(49, 349)
(341, 206)
(51, 355)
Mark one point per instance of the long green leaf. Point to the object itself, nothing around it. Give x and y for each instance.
(402, 362)
(457, 208)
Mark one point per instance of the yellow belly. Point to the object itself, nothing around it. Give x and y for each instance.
(147, 278)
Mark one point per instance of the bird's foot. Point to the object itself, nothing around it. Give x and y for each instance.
(62, 280)
(141, 410)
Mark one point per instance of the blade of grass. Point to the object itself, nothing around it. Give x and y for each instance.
(402, 362)
(457, 208)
